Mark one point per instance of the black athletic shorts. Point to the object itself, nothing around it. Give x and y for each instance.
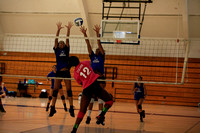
(63, 74)
(93, 90)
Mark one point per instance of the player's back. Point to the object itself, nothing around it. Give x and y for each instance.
(84, 74)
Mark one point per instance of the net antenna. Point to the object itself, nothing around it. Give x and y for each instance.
(117, 9)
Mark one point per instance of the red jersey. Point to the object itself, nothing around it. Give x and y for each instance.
(84, 74)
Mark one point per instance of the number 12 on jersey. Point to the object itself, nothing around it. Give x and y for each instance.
(86, 72)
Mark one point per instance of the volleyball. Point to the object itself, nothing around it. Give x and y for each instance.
(78, 21)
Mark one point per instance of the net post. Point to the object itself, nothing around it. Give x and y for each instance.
(185, 61)
(177, 50)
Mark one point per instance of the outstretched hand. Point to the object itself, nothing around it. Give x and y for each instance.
(83, 29)
(69, 26)
(97, 28)
(59, 25)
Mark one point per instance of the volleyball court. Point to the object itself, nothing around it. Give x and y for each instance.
(162, 63)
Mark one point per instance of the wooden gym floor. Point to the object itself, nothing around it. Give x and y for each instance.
(28, 115)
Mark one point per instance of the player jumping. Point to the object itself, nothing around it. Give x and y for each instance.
(85, 76)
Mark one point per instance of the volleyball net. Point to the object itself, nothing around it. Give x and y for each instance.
(162, 61)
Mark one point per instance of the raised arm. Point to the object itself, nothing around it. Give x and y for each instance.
(84, 30)
(59, 27)
(69, 26)
(97, 29)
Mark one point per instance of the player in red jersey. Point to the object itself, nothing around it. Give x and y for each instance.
(85, 76)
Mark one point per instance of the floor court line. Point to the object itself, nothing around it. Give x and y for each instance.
(124, 112)
(192, 127)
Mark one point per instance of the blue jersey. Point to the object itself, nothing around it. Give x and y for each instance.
(140, 88)
(1, 90)
(97, 62)
(52, 74)
(62, 56)
(139, 93)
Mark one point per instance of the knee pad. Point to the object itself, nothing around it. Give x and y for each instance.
(50, 97)
(109, 103)
(69, 93)
(55, 93)
(100, 101)
(80, 115)
(92, 100)
(63, 97)
(139, 106)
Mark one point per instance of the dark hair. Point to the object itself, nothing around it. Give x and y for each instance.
(60, 42)
(140, 77)
(73, 61)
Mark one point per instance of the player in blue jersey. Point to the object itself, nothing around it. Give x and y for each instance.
(140, 94)
(97, 64)
(2, 94)
(53, 74)
(61, 51)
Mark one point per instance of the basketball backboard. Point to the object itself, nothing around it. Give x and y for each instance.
(120, 29)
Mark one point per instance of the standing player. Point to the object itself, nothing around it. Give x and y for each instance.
(97, 64)
(2, 94)
(140, 93)
(53, 74)
(63, 71)
(85, 76)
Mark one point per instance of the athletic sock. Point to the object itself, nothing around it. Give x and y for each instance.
(100, 112)
(104, 111)
(75, 128)
(89, 113)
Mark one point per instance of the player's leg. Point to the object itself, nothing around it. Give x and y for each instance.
(70, 96)
(142, 111)
(100, 101)
(103, 85)
(85, 100)
(89, 111)
(63, 98)
(66, 74)
(138, 109)
(106, 97)
(55, 94)
(1, 106)
(136, 104)
(49, 99)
